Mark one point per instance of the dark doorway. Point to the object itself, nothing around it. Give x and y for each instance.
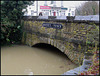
(54, 13)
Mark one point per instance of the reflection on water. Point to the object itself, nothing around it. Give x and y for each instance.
(25, 60)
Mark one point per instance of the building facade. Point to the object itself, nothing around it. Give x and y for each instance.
(53, 11)
(46, 10)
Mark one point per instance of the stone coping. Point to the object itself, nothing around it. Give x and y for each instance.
(82, 19)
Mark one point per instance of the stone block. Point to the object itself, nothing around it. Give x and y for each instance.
(48, 40)
(95, 18)
(63, 48)
(51, 41)
(55, 43)
(78, 17)
(42, 17)
(70, 18)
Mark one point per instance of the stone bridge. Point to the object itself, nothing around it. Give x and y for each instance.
(72, 35)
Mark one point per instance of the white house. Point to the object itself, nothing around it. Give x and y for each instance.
(49, 9)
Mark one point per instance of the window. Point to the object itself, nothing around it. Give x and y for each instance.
(73, 13)
(25, 13)
(69, 10)
(68, 14)
(57, 13)
(32, 12)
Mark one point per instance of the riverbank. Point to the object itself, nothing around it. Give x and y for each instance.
(93, 69)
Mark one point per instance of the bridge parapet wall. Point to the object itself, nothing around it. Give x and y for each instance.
(86, 19)
(71, 39)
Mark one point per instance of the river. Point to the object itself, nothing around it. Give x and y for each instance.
(25, 60)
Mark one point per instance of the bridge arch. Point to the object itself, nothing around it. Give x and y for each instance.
(32, 39)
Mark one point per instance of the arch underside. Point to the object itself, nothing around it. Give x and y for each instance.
(74, 56)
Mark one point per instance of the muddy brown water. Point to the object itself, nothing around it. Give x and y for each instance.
(25, 60)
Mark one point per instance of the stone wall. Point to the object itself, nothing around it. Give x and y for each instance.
(72, 39)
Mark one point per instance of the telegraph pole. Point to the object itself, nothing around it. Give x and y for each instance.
(37, 7)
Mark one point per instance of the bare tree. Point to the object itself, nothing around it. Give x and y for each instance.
(88, 8)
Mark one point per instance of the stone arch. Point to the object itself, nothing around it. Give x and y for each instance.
(32, 39)
(68, 53)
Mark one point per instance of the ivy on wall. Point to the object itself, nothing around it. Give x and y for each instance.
(11, 15)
